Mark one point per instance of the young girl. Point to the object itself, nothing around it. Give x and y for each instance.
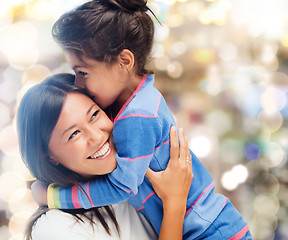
(48, 117)
(108, 43)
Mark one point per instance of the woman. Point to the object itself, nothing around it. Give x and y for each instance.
(65, 138)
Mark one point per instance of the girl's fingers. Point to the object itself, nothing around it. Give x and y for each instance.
(174, 149)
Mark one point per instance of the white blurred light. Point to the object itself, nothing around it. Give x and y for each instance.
(213, 81)
(228, 52)
(175, 69)
(10, 85)
(215, 13)
(266, 204)
(36, 73)
(57, 7)
(41, 9)
(175, 20)
(9, 141)
(219, 121)
(268, 52)
(201, 146)
(22, 199)
(263, 226)
(273, 100)
(237, 175)
(17, 223)
(19, 44)
(228, 181)
(22, 169)
(261, 17)
(161, 33)
(274, 155)
(5, 115)
(272, 121)
(6, 15)
(10, 182)
(7, 163)
(168, 2)
(162, 62)
(232, 150)
(240, 172)
(158, 50)
(177, 49)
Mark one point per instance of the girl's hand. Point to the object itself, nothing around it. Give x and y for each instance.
(172, 186)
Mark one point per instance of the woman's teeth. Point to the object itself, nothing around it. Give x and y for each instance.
(102, 151)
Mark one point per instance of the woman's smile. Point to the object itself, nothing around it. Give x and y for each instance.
(102, 153)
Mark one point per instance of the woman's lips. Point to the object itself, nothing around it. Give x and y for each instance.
(102, 152)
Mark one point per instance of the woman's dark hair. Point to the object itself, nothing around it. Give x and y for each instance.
(101, 29)
(37, 116)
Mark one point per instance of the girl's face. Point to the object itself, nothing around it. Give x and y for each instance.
(82, 138)
(106, 83)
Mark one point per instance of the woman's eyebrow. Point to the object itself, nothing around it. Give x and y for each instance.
(73, 126)
(89, 110)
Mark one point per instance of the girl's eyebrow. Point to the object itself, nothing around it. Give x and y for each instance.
(77, 66)
(74, 125)
(83, 65)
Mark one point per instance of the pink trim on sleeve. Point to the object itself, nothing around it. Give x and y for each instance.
(137, 158)
(210, 185)
(240, 234)
(130, 98)
(163, 143)
(88, 194)
(141, 115)
(150, 195)
(75, 200)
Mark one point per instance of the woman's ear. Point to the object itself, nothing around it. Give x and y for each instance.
(126, 59)
(52, 160)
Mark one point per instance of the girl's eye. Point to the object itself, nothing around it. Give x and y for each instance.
(82, 73)
(94, 115)
(73, 134)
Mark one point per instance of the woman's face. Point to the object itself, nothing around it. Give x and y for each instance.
(82, 138)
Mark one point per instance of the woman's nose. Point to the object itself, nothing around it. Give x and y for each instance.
(94, 137)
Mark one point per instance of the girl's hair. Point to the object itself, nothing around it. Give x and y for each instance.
(37, 116)
(101, 29)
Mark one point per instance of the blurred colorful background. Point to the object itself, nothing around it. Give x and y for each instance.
(222, 66)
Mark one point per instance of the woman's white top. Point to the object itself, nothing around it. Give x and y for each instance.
(58, 225)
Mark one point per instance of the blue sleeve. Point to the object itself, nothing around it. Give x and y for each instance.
(135, 139)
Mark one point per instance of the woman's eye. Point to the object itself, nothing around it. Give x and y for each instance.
(73, 134)
(94, 115)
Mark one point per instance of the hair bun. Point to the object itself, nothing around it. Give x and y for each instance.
(127, 5)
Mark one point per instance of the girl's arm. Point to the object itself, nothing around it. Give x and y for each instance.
(172, 186)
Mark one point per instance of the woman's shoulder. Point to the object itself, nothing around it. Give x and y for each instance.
(58, 225)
